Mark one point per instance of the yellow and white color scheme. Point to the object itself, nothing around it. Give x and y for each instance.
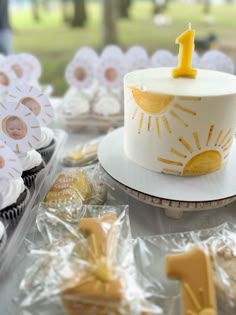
(180, 126)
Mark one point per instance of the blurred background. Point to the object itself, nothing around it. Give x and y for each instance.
(54, 29)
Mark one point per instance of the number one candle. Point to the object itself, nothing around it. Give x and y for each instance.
(186, 47)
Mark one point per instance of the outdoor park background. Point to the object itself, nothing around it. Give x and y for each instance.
(55, 41)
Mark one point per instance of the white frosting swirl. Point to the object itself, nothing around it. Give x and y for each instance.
(29, 159)
(46, 137)
(76, 105)
(108, 105)
(10, 190)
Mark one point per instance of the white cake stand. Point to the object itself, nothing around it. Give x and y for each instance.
(175, 194)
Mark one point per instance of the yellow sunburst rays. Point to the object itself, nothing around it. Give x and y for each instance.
(158, 109)
(10, 166)
(34, 99)
(196, 158)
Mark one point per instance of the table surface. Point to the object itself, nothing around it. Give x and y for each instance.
(145, 220)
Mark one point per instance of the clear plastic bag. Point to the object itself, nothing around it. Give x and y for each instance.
(220, 243)
(84, 267)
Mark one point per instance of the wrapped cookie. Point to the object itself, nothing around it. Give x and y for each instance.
(87, 269)
(83, 154)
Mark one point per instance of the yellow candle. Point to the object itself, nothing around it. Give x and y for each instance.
(186, 47)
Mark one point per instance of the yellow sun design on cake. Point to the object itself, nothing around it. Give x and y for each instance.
(159, 109)
(199, 157)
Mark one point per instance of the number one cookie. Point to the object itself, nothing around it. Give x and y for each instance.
(194, 271)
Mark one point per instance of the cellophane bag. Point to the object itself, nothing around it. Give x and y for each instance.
(83, 267)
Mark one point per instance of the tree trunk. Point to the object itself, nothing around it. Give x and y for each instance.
(109, 32)
(124, 8)
(159, 6)
(35, 10)
(65, 16)
(80, 16)
(207, 7)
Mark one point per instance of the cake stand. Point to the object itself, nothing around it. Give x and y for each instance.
(175, 194)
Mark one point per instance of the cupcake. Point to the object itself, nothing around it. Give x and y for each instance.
(32, 163)
(15, 197)
(13, 193)
(20, 130)
(47, 144)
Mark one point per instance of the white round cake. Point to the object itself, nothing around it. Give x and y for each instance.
(180, 126)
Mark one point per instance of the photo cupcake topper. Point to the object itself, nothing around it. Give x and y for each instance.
(87, 52)
(19, 66)
(111, 67)
(80, 73)
(7, 78)
(163, 58)
(19, 127)
(136, 58)
(34, 99)
(10, 166)
(218, 61)
(33, 63)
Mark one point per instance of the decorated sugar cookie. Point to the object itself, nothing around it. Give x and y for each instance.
(10, 166)
(20, 129)
(111, 67)
(34, 64)
(136, 58)
(34, 99)
(7, 78)
(162, 58)
(19, 66)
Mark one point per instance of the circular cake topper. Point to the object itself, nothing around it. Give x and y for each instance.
(19, 127)
(111, 67)
(19, 66)
(10, 166)
(80, 73)
(7, 78)
(136, 58)
(34, 99)
(86, 52)
(196, 60)
(163, 58)
(217, 60)
(34, 64)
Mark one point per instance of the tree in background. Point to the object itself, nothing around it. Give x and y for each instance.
(206, 7)
(109, 19)
(35, 10)
(124, 6)
(159, 6)
(80, 15)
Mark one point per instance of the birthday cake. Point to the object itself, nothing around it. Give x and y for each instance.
(182, 126)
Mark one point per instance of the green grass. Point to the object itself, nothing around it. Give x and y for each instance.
(55, 43)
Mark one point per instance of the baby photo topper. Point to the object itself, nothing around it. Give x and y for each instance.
(136, 58)
(80, 73)
(34, 100)
(33, 63)
(163, 58)
(218, 61)
(19, 127)
(111, 67)
(10, 166)
(87, 52)
(19, 66)
(7, 78)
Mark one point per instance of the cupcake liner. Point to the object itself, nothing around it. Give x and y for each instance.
(3, 240)
(16, 209)
(30, 175)
(47, 151)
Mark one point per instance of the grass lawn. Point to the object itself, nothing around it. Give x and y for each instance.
(55, 43)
